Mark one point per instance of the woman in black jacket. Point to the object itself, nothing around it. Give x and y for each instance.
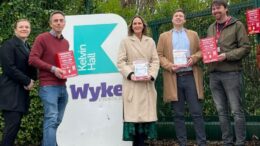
(16, 80)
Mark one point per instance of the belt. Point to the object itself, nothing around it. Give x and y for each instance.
(185, 73)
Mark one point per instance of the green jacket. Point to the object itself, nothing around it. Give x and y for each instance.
(234, 42)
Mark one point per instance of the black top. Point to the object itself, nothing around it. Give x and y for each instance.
(16, 74)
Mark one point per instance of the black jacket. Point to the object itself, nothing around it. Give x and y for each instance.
(16, 74)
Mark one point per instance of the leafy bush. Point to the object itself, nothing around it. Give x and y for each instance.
(37, 11)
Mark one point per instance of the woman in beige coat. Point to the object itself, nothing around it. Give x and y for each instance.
(138, 63)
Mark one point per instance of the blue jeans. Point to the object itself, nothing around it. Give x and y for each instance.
(226, 90)
(54, 99)
(187, 92)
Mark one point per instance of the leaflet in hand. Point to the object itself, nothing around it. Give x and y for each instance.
(180, 57)
(66, 61)
(140, 68)
(209, 49)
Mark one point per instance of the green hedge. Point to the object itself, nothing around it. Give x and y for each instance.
(37, 11)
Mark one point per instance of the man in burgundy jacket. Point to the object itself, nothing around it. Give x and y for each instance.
(52, 86)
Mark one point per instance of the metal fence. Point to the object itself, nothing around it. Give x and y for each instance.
(199, 22)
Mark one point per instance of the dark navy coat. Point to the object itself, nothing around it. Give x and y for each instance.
(16, 74)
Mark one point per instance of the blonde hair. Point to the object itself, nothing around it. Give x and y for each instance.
(20, 20)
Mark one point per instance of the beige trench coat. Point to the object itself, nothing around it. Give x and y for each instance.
(139, 97)
(165, 49)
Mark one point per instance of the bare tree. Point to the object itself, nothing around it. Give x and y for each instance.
(141, 5)
(126, 3)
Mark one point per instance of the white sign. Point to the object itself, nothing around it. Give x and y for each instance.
(94, 113)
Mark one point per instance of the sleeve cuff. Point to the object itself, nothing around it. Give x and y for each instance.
(53, 68)
(129, 76)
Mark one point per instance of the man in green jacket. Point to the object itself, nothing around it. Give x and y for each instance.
(225, 75)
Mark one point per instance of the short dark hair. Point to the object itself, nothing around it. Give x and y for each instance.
(56, 12)
(219, 2)
(179, 10)
(130, 29)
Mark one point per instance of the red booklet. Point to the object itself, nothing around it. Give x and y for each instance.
(253, 21)
(209, 49)
(66, 61)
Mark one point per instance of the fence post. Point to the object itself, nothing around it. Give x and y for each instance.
(257, 5)
(88, 5)
(155, 31)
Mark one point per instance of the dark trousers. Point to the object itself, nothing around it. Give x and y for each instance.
(226, 88)
(187, 92)
(12, 120)
(139, 137)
